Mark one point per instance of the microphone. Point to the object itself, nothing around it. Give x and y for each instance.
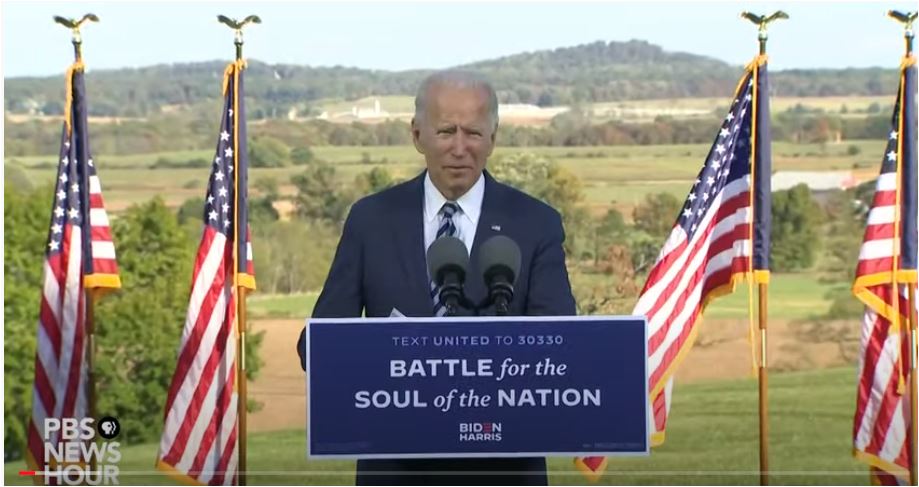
(448, 260)
(499, 260)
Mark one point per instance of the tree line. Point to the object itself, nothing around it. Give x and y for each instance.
(588, 73)
(272, 139)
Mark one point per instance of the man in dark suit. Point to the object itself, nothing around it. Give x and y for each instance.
(380, 262)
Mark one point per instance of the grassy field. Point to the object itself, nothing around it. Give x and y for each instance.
(281, 305)
(797, 296)
(687, 107)
(618, 176)
(712, 439)
(791, 297)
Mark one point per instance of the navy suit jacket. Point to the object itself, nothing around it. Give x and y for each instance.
(380, 264)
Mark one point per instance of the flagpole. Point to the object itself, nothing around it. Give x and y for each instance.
(241, 324)
(913, 386)
(762, 291)
(88, 295)
(239, 235)
(91, 361)
(907, 20)
(761, 276)
(913, 345)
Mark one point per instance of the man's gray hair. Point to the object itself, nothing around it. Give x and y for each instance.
(458, 79)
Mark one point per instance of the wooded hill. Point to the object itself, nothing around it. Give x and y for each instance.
(596, 72)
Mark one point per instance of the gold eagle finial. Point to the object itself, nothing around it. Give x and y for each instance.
(761, 20)
(74, 25)
(904, 18)
(237, 26)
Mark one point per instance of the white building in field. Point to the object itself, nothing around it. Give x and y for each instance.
(815, 180)
(525, 110)
(363, 113)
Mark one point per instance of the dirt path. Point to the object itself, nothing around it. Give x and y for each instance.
(280, 386)
(722, 351)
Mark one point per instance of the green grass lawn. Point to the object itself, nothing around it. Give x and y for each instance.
(712, 439)
(281, 305)
(790, 297)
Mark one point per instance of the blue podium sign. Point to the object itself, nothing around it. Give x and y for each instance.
(477, 387)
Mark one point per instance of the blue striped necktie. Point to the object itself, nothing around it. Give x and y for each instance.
(446, 228)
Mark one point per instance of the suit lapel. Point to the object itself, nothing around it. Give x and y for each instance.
(492, 221)
(410, 242)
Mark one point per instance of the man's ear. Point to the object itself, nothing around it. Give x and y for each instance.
(416, 136)
(494, 137)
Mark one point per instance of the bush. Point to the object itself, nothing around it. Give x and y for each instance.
(656, 214)
(302, 155)
(25, 216)
(293, 256)
(796, 220)
(268, 151)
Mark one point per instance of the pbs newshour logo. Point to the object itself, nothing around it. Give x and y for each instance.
(80, 451)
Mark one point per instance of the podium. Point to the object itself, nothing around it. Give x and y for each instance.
(468, 387)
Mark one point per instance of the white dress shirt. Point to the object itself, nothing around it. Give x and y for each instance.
(465, 220)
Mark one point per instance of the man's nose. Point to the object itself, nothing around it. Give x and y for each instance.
(459, 144)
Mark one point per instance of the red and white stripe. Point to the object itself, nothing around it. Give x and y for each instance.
(250, 260)
(682, 280)
(199, 436)
(59, 389)
(103, 248)
(882, 405)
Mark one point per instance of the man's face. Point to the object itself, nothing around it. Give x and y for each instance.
(456, 136)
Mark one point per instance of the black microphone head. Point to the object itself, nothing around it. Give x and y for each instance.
(447, 254)
(500, 256)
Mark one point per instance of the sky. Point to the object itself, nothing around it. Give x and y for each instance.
(430, 35)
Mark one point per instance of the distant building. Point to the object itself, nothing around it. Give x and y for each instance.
(362, 113)
(815, 180)
(33, 107)
(525, 110)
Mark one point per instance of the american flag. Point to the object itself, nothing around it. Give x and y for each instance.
(199, 440)
(882, 414)
(79, 257)
(708, 250)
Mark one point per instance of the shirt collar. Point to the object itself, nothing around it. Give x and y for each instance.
(470, 203)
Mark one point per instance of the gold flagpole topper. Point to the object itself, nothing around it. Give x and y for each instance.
(74, 26)
(763, 22)
(238, 27)
(907, 20)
